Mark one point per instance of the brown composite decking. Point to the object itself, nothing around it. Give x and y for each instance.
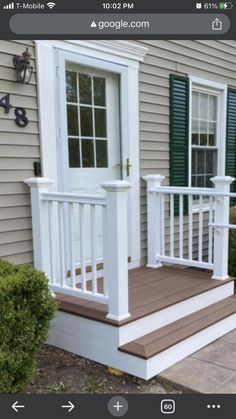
(150, 290)
(164, 338)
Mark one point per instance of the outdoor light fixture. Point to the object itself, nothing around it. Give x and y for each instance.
(23, 68)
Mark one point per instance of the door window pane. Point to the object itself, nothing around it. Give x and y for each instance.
(99, 91)
(101, 153)
(100, 123)
(71, 86)
(87, 153)
(86, 121)
(74, 152)
(72, 120)
(85, 89)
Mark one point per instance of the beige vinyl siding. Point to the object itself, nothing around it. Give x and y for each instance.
(19, 148)
(212, 60)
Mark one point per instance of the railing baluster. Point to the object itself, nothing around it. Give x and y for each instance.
(93, 247)
(56, 227)
(210, 241)
(51, 241)
(162, 204)
(82, 247)
(200, 228)
(61, 243)
(181, 222)
(72, 245)
(172, 220)
(105, 281)
(190, 227)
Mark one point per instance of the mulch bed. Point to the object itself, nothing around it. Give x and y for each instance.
(63, 372)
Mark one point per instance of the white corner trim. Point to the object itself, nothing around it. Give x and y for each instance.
(46, 74)
(126, 49)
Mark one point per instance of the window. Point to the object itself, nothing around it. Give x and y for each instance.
(86, 119)
(198, 149)
(204, 138)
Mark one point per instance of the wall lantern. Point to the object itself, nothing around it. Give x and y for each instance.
(23, 68)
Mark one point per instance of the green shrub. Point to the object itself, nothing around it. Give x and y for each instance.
(232, 244)
(26, 309)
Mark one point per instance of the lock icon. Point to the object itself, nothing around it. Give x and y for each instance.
(217, 25)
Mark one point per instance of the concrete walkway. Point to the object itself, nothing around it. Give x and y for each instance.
(210, 370)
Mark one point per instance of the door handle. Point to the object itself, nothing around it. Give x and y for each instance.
(127, 166)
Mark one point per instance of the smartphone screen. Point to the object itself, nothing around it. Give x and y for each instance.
(117, 209)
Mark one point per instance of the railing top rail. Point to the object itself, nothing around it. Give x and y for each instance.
(190, 191)
(77, 198)
(229, 226)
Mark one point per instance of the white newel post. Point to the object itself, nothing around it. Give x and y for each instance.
(221, 235)
(40, 227)
(116, 243)
(153, 220)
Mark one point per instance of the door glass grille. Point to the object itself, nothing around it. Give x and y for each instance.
(86, 120)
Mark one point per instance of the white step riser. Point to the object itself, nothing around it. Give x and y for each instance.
(93, 340)
(176, 353)
(99, 342)
(173, 313)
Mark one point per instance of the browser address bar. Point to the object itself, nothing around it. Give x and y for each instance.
(123, 24)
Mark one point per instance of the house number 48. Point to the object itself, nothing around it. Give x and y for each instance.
(21, 119)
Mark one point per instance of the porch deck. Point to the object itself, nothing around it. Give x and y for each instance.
(150, 290)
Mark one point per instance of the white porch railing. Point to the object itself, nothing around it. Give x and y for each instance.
(54, 217)
(205, 222)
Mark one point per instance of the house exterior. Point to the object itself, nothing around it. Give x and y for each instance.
(117, 114)
(19, 149)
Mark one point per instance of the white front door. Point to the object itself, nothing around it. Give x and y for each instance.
(94, 136)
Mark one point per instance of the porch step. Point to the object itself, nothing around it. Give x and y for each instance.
(174, 313)
(156, 298)
(161, 340)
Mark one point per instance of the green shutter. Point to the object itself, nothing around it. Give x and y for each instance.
(179, 134)
(231, 138)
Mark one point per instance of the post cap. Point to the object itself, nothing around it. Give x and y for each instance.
(38, 182)
(153, 180)
(153, 177)
(116, 185)
(222, 180)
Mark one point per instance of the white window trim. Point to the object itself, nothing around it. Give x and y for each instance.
(111, 53)
(221, 90)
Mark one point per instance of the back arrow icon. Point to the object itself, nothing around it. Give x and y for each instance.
(16, 406)
(69, 406)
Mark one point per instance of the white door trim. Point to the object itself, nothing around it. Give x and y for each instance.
(48, 111)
